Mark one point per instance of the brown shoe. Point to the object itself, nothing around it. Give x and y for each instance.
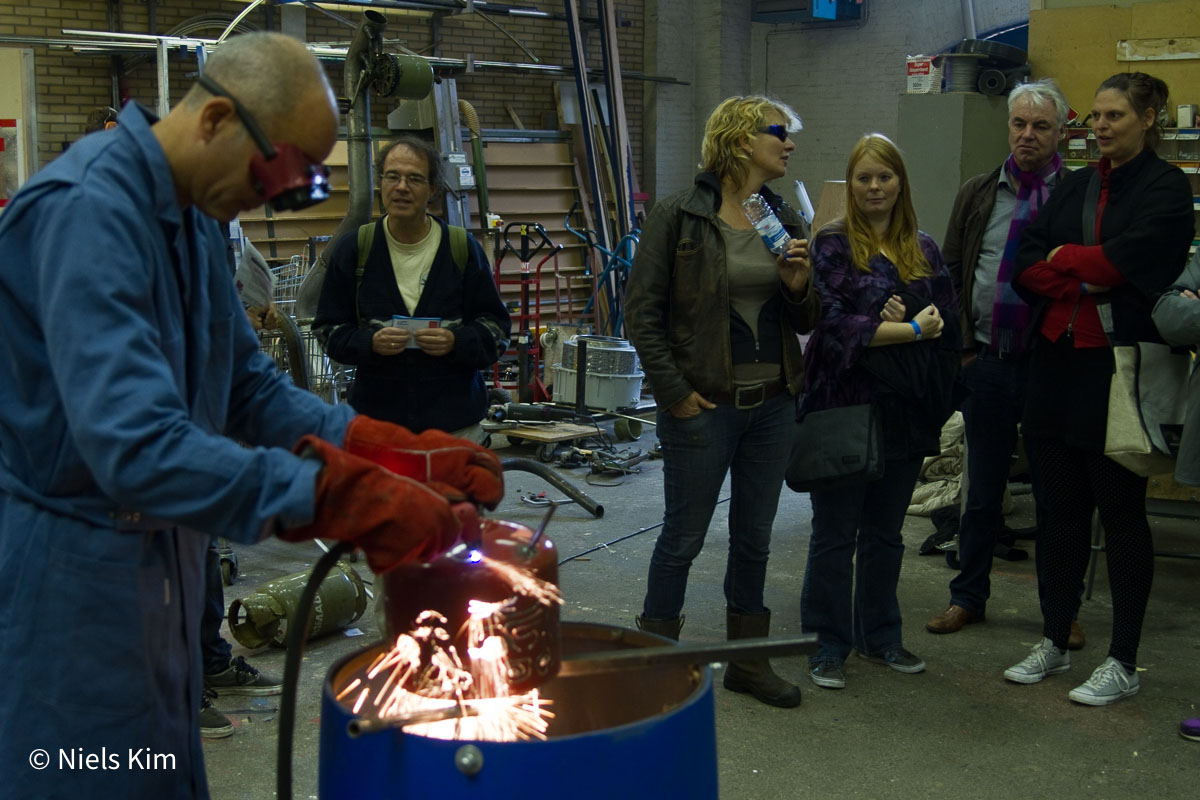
(951, 620)
(1076, 640)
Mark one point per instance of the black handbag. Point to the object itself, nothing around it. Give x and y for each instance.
(835, 448)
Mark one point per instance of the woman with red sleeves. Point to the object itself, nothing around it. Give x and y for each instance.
(1109, 241)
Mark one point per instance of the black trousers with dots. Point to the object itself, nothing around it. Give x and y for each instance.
(1075, 482)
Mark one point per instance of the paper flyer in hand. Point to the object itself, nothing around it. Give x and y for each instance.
(414, 324)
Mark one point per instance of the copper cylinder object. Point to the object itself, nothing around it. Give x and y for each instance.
(530, 628)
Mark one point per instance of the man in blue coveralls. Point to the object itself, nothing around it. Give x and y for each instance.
(127, 371)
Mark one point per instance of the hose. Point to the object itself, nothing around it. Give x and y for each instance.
(471, 118)
(297, 636)
(294, 348)
(557, 481)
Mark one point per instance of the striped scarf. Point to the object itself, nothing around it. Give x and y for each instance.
(1010, 314)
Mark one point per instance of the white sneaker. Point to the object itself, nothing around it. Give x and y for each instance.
(1108, 684)
(1045, 659)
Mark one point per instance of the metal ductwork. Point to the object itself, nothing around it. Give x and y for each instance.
(365, 50)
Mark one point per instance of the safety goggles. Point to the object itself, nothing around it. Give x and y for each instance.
(283, 175)
(778, 131)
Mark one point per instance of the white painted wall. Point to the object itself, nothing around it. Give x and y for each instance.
(844, 82)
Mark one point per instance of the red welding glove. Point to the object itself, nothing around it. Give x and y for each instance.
(391, 518)
(430, 456)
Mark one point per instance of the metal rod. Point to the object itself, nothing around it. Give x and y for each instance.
(498, 27)
(557, 481)
(359, 726)
(135, 41)
(541, 528)
(245, 12)
(733, 650)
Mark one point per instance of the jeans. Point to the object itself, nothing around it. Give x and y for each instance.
(215, 652)
(855, 606)
(991, 414)
(752, 446)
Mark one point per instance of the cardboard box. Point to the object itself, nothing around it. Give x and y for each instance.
(923, 76)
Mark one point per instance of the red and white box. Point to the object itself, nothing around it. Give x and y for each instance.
(923, 76)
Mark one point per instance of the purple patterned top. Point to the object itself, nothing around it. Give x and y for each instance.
(851, 301)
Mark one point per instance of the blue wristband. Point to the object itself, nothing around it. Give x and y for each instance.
(1082, 289)
(916, 330)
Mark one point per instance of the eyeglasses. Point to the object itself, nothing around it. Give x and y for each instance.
(778, 131)
(415, 181)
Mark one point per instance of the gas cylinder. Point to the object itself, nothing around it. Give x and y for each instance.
(263, 617)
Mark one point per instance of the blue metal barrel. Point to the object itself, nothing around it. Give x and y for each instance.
(643, 733)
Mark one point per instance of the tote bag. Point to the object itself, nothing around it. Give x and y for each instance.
(1147, 401)
(836, 447)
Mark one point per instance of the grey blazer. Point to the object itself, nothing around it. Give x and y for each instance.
(1178, 320)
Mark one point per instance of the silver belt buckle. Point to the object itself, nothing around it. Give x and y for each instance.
(759, 392)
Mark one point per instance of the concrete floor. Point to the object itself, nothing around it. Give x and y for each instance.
(958, 730)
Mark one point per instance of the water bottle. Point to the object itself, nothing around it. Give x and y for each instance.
(766, 223)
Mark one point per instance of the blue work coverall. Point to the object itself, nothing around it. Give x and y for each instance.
(126, 366)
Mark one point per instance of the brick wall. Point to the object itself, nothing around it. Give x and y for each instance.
(70, 86)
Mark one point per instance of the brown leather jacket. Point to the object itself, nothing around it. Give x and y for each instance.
(677, 300)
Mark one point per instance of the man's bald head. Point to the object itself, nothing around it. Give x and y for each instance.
(278, 83)
(269, 73)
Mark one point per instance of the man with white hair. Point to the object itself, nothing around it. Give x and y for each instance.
(989, 215)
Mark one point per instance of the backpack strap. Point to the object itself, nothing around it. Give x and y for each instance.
(366, 235)
(458, 246)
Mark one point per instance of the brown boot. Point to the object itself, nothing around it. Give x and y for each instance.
(663, 627)
(1076, 640)
(756, 677)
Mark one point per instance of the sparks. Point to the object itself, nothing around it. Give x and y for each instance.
(423, 671)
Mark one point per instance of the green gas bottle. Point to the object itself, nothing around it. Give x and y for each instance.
(263, 617)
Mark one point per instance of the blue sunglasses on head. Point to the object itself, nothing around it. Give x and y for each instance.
(778, 131)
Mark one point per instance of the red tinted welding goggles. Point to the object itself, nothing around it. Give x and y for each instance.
(283, 175)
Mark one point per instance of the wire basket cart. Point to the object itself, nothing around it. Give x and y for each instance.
(294, 347)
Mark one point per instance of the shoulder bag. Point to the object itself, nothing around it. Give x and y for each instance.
(836, 447)
(1147, 397)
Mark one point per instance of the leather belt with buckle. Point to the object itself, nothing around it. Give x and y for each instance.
(747, 397)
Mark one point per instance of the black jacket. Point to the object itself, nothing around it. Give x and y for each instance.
(1145, 232)
(414, 389)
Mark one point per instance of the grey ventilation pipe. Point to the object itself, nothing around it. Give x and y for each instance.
(968, 13)
(364, 48)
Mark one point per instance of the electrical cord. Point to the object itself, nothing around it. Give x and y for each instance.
(604, 545)
(297, 635)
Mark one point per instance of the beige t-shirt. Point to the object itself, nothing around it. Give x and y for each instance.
(411, 263)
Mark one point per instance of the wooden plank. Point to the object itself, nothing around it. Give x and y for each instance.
(1084, 58)
(587, 122)
(534, 177)
(511, 205)
(500, 153)
(618, 124)
(287, 228)
(1178, 49)
(553, 432)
